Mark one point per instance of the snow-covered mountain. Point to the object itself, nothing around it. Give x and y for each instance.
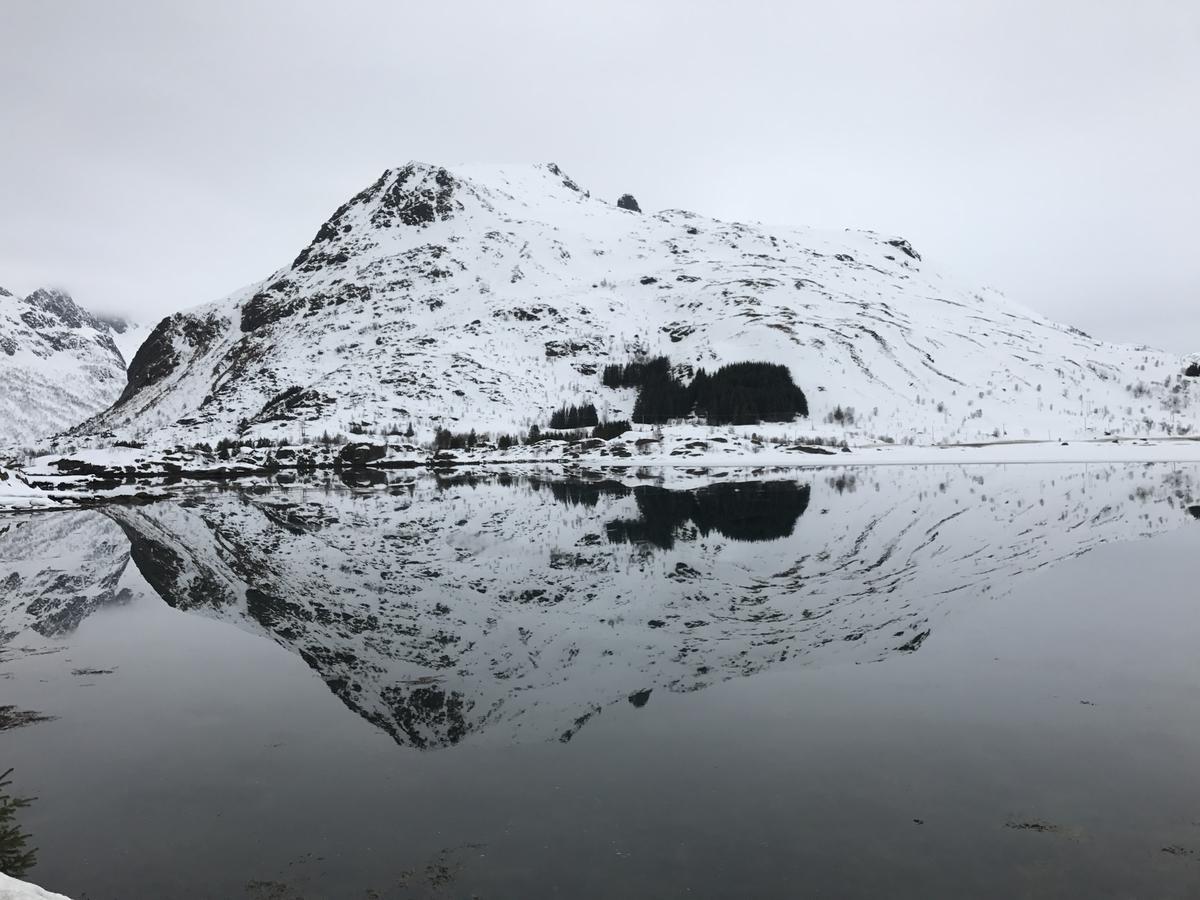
(59, 364)
(486, 298)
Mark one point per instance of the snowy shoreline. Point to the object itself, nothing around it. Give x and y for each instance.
(15, 889)
(120, 475)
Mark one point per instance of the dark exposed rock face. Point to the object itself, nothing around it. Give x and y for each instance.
(905, 247)
(640, 698)
(357, 456)
(292, 403)
(1194, 511)
(1193, 371)
(414, 201)
(567, 181)
(627, 201)
(159, 355)
(262, 310)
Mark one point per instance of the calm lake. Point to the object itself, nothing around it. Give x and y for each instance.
(878, 682)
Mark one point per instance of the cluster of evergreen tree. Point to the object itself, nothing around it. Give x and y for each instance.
(743, 393)
(608, 430)
(747, 393)
(635, 374)
(445, 439)
(575, 417)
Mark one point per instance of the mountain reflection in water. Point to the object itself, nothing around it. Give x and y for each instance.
(623, 683)
(436, 608)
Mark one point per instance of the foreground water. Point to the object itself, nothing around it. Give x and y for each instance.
(877, 682)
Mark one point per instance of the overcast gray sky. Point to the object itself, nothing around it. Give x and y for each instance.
(158, 155)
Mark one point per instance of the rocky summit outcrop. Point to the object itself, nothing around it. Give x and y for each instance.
(486, 298)
(59, 364)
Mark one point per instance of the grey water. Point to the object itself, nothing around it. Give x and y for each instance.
(903, 682)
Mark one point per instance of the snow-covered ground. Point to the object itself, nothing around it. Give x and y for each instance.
(485, 298)
(15, 889)
(124, 474)
(17, 493)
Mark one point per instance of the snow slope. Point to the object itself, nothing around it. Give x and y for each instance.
(58, 365)
(15, 889)
(483, 297)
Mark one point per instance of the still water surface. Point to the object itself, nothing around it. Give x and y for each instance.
(902, 682)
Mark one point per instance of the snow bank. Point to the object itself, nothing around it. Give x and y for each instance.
(693, 448)
(14, 889)
(17, 493)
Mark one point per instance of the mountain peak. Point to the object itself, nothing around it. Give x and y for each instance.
(62, 306)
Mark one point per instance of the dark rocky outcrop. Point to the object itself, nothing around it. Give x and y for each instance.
(359, 456)
(904, 247)
(1193, 371)
(292, 403)
(568, 182)
(413, 201)
(627, 201)
(62, 307)
(159, 354)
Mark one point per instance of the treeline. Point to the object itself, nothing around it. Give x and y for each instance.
(635, 374)
(745, 393)
(445, 439)
(575, 417)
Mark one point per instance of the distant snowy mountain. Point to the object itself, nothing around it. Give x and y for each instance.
(128, 336)
(59, 364)
(486, 298)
